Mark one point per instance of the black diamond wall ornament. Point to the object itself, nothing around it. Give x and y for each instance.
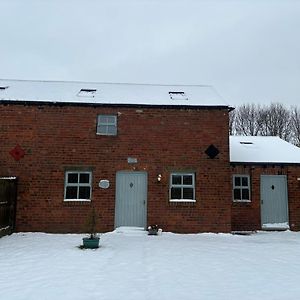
(212, 151)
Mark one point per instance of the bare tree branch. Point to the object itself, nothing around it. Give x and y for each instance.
(295, 125)
(231, 122)
(274, 120)
(246, 120)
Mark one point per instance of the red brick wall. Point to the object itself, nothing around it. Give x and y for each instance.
(163, 140)
(246, 216)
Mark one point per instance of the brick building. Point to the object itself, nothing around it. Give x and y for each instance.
(266, 183)
(138, 154)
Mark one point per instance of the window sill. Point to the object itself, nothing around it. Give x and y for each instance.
(76, 202)
(241, 201)
(104, 134)
(182, 200)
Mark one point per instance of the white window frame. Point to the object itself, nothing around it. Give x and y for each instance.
(241, 187)
(78, 184)
(182, 186)
(107, 124)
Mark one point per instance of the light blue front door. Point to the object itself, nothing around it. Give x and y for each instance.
(131, 199)
(274, 199)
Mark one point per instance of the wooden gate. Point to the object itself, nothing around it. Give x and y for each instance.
(8, 196)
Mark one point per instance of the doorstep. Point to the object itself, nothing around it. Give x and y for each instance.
(275, 226)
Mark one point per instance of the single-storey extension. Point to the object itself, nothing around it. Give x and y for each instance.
(265, 183)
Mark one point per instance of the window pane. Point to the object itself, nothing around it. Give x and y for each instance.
(188, 193)
(175, 193)
(176, 179)
(244, 181)
(71, 192)
(245, 194)
(237, 181)
(188, 179)
(107, 119)
(84, 192)
(102, 119)
(237, 194)
(111, 130)
(84, 178)
(72, 178)
(102, 129)
(107, 129)
(111, 119)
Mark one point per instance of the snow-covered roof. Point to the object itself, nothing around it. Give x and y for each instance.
(262, 149)
(109, 93)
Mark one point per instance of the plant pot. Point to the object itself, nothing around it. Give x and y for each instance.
(152, 231)
(91, 243)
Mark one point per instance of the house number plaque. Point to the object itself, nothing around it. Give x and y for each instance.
(132, 160)
(104, 184)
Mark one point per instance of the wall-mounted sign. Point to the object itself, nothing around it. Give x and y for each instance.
(132, 160)
(104, 184)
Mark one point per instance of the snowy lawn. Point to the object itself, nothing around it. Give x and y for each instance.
(133, 265)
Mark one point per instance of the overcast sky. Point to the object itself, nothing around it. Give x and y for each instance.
(248, 50)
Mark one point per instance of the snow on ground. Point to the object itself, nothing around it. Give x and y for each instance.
(133, 265)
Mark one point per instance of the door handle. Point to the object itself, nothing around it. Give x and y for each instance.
(262, 201)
